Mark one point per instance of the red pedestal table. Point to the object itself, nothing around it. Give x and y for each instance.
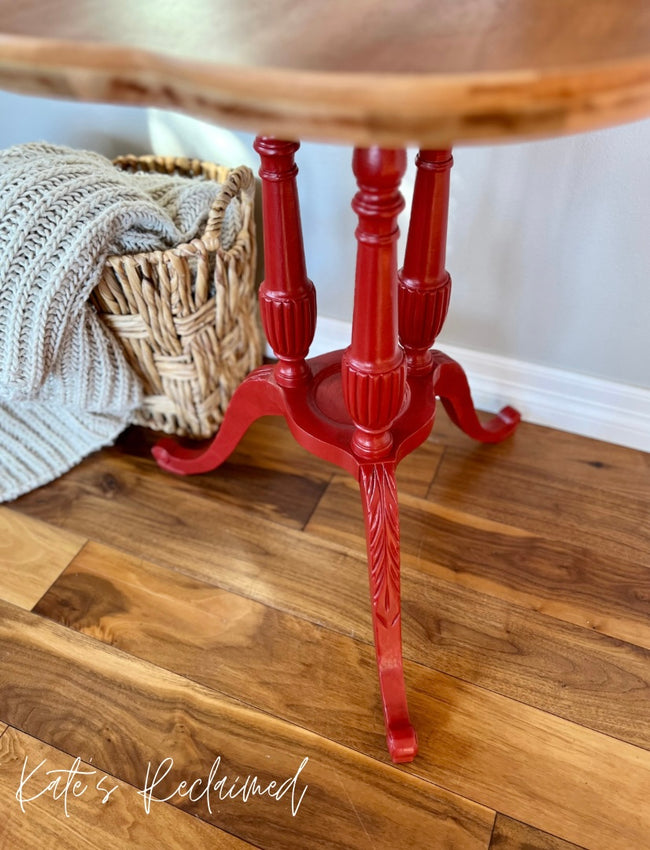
(379, 76)
(367, 407)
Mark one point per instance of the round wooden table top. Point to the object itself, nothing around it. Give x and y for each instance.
(390, 72)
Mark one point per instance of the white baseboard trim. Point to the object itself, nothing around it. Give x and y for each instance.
(583, 405)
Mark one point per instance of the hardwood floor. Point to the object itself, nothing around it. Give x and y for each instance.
(155, 630)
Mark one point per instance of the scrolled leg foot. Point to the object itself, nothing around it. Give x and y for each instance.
(451, 386)
(256, 396)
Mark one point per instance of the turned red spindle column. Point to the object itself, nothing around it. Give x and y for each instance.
(287, 296)
(373, 372)
(373, 368)
(424, 284)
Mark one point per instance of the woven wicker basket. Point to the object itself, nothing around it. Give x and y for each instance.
(187, 317)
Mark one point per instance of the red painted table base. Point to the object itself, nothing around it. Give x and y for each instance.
(367, 407)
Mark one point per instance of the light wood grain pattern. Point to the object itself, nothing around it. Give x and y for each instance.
(512, 835)
(112, 815)
(270, 459)
(123, 713)
(370, 72)
(511, 704)
(551, 453)
(572, 511)
(529, 764)
(289, 667)
(286, 495)
(32, 554)
(170, 521)
(578, 584)
(371, 37)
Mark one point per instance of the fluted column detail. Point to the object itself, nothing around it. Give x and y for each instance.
(424, 283)
(373, 369)
(287, 296)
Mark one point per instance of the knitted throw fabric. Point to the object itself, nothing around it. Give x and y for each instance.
(65, 386)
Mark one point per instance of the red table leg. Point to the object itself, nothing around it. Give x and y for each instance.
(369, 406)
(374, 389)
(424, 291)
(288, 310)
(287, 296)
(424, 283)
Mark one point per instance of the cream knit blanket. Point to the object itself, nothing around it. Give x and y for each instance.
(65, 386)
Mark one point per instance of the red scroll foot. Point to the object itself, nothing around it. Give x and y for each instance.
(450, 385)
(257, 396)
(379, 497)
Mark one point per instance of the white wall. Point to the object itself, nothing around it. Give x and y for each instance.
(549, 249)
(549, 241)
(550, 253)
(111, 130)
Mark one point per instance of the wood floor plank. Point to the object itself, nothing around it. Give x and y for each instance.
(120, 713)
(512, 835)
(32, 554)
(278, 486)
(548, 504)
(592, 463)
(111, 815)
(282, 664)
(416, 472)
(536, 767)
(263, 655)
(327, 583)
(269, 447)
(556, 776)
(564, 580)
(123, 505)
(205, 537)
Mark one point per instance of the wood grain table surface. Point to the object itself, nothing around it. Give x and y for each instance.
(430, 73)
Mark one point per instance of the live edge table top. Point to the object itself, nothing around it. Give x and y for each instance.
(387, 72)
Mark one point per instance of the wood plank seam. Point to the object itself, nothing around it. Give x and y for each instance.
(436, 470)
(67, 566)
(494, 824)
(317, 502)
(526, 836)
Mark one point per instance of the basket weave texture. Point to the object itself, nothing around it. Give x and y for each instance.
(187, 317)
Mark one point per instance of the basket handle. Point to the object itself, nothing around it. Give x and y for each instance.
(240, 179)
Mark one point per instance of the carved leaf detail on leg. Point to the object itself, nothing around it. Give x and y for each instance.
(379, 494)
